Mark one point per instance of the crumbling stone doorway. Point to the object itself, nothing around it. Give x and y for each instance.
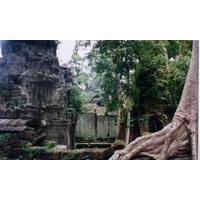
(155, 124)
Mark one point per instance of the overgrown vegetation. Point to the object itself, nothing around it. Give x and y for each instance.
(127, 74)
(76, 100)
(6, 135)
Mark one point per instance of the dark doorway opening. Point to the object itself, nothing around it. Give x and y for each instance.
(155, 124)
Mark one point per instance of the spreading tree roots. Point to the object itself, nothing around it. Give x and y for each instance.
(172, 142)
(179, 139)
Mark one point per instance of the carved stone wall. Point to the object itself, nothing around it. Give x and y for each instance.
(154, 117)
(96, 128)
(31, 78)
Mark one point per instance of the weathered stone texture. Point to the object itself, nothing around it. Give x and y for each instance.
(34, 86)
(93, 127)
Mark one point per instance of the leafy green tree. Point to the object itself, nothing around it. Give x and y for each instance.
(81, 78)
(151, 73)
(76, 99)
(131, 72)
(115, 62)
(179, 139)
(178, 62)
(85, 79)
(161, 71)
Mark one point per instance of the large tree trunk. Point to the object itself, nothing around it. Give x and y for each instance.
(179, 139)
(128, 124)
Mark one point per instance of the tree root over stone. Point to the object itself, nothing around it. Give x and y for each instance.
(172, 142)
(179, 139)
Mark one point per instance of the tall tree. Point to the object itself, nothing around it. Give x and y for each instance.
(86, 83)
(179, 139)
(179, 55)
(115, 61)
(133, 73)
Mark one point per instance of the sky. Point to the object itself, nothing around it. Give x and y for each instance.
(65, 50)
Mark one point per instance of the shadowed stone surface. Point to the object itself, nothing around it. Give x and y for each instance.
(34, 86)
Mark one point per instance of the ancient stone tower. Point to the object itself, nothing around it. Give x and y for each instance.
(34, 86)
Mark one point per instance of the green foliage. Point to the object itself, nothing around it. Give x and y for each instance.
(77, 154)
(177, 76)
(176, 48)
(76, 99)
(114, 61)
(26, 144)
(21, 158)
(35, 152)
(132, 72)
(6, 135)
(86, 84)
(151, 72)
(3, 155)
(48, 144)
(69, 156)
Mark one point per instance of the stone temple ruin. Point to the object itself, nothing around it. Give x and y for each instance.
(34, 94)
